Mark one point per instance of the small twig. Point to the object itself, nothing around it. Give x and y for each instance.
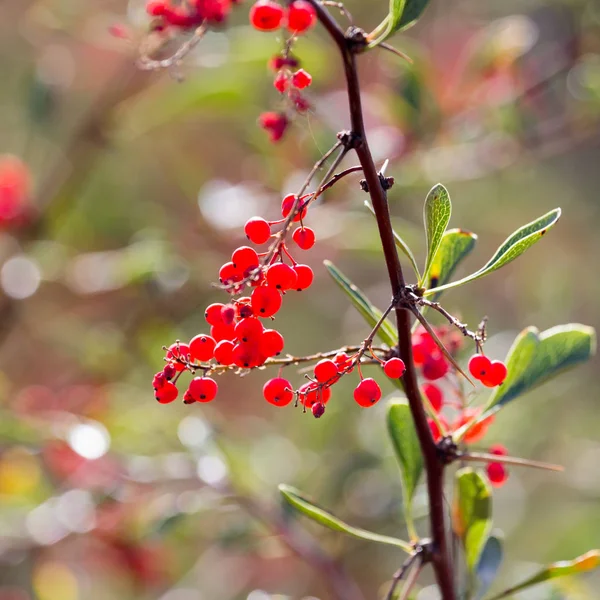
(411, 579)
(508, 460)
(399, 575)
(340, 6)
(395, 51)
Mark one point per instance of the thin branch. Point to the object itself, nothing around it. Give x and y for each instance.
(412, 579)
(399, 575)
(508, 460)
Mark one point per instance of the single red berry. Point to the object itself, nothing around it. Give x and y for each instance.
(343, 362)
(367, 393)
(498, 450)
(277, 62)
(301, 79)
(224, 352)
(274, 123)
(228, 274)
(213, 314)
(478, 431)
(305, 276)
(249, 330)
(178, 351)
(278, 391)
(325, 370)
(257, 230)
(281, 82)
(479, 366)
(496, 374)
(435, 430)
(169, 372)
(222, 332)
(435, 367)
(266, 301)
(271, 342)
(188, 398)
(159, 380)
(287, 204)
(228, 314)
(301, 16)
(266, 15)
(318, 410)
(282, 276)
(497, 474)
(423, 346)
(167, 393)
(301, 104)
(310, 393)
(304, 238)
(156, 8)
(434, 395)
(243, 307)
(202, 347)
(246, 356)
(245, 258)
(203, 389)
(394, 368)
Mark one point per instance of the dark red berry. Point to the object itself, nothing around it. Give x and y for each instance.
(394, 368)
(304, 238)
(202, 347)
(497, 474)
(367, 393)
(266, 15)
(301, 16)
(167, 393)
(169, 372)
(278, 391)
(257, 230)
(228, 314)
(318, 410)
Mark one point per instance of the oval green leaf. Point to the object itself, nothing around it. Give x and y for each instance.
(581, 564)
(472, 513)
(370, 312)
(520, 241)
(402, 15)
(402, 432)
(296, 499)
(436, 215)
(488, 565)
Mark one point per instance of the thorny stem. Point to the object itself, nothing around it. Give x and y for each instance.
(349, 44)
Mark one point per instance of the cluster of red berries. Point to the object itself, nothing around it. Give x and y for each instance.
(298, 17)
(490, 373)
(190, 13)
(15, 192)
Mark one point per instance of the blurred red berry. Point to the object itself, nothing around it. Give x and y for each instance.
(274, 123)
(266, 15)
(434, 395)
(301, 16)
(497, 474)
(301, 79)
(435, 367)
(281, 82)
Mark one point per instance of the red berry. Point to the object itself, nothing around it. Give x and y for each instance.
(497, 474)
(394, 368)
(304, 238)
(278, 391)
(224, 352)
(266, 301)
(243, 308)
(435, 430)
(178, 351)
(318, 410)
(311, 393)
(477, 432)
(301, 16)
(287, 204)
(282, 276)
(222, 332)
(434, 395)
(271, 342)
(300, 102)
(257, 230)
(496, 374)
(249, 330)
(266, 15)
(159, 380)
(246, 356)
(498, 450)
(343, 362)
(305, 276)
(203, 389)
(479, 366)
(301, 79)
(435, 367)
(325, 370)
(156, 8)
(202, 347)
(167, 393)
(367, 392)
(228, 274)
(213, 314)
(281, 82)
(245, 258)
(274, 123)
(228, 314)
(169, 372)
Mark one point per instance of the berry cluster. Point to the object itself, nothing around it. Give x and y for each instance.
(267, 15)
(15, 192)
(189, 13)
(490, 373)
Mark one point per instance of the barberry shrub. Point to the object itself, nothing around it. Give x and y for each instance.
(438, 429)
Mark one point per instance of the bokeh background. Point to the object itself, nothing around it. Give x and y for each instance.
(140, 186)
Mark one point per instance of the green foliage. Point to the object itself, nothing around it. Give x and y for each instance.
(515, 245)
(436, 215)
(472, 513)
(488, 565)
(370, 312)
(408, 452)
(325, 518)
(402, 15)
(581, 564)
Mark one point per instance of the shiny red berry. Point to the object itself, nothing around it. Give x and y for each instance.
(434, 395)
(249, 330)
(343, 362)
(203, 389)
(167, 393)
(495, 375)
(202, 347)
(281, 82)
(266, 301)
(257, 230)
(325, 370)
(245, 258)
(394, 368)
(274, 123)
(311, 393)
(282, 276)
(271, 342)
(305, 277)
(159, 380)
(224, 352)
(301, 79)
(178, 351)
(304, 238)
(301, 16)
(278, 391)
(266, 15)
(246, 356)
(222, 332)
(367, 393)
(229, 274)
(287, 204)
(479, 366)
(169, 372)
(213, 314)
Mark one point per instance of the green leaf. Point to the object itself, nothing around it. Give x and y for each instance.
(436, 214)
(370, 312)
(402, 245)
(402, 15)
(488, 565)
(512, 248)
(472, 511)
(406, 445)
(581, 564)
(535, 357)
(325, 518)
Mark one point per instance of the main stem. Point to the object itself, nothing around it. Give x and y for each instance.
(348, 46)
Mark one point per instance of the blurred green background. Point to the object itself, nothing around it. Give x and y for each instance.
(140, 188)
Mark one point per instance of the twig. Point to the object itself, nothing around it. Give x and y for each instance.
(508, 460)
(340, 6)
(399, 575)
(412, 579)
